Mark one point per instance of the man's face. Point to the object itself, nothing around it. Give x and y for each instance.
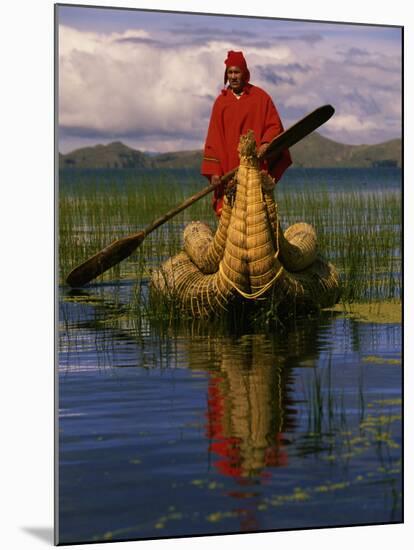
(235, 78)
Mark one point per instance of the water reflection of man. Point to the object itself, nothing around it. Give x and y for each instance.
(246, 414)
(239, 107)
(250, 408)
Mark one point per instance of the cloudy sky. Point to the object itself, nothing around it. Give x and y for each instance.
(149, 79)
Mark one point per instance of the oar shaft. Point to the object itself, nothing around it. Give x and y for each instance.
(188, 202)
(194, 198)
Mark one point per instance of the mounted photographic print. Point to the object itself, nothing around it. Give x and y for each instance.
(229, 274)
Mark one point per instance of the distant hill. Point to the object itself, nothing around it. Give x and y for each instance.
(315, 151)
(180, 159)
(113, 155)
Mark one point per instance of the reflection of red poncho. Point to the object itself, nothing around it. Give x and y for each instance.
(232, 117)
(228, 447)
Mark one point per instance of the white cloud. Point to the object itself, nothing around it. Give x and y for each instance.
(350, 123)
(131, 85)
(72, 39)
(114, 85)
(117, 86)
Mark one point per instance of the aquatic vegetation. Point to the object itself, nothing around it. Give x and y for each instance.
(381, 360)
(372, 312)
(359, 231)
(334, 434)
(376, 432)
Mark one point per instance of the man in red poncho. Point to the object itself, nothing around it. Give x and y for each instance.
(240, 107)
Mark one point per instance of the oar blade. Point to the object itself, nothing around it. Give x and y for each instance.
(104, 260)
(298, 131)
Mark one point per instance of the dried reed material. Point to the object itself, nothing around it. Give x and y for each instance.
(261, 248)
(316, 286)
(298, 246)
(205, 249)
(248, 256)
(180, 279)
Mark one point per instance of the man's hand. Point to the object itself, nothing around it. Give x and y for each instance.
(215, 179)
(262, 149)
(268, 182)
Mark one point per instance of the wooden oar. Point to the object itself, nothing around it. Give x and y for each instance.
(122, 248)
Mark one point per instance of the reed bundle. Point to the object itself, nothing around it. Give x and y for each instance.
(249, 256)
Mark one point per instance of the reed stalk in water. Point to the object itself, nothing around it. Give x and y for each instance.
(360, 232)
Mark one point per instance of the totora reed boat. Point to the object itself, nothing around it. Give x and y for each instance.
(249, 258)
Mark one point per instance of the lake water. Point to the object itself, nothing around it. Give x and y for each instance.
(332, 179)
(189, 429)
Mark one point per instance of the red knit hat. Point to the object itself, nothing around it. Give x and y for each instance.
(236, 59)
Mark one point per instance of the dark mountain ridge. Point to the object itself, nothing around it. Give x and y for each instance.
(315, 151)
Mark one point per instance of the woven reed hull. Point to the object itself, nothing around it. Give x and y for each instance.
(199, 294)
(205, 249)
(249, 256)
(207, 295)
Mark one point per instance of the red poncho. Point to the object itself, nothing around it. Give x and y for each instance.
(232, 117)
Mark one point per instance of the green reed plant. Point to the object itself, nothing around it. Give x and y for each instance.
(93, 213)
(360, 232)
(342, 431)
